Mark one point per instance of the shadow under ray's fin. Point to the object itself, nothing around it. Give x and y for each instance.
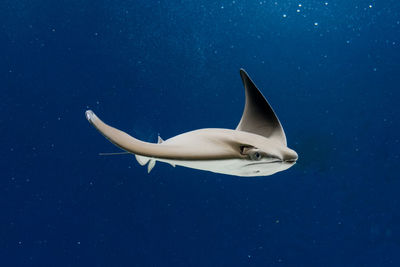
(114, 153)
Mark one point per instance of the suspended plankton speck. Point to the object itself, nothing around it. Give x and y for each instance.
(284, 15)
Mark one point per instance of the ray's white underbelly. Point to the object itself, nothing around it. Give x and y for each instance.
(228, 166)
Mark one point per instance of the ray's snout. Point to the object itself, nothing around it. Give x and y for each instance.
(290, 156)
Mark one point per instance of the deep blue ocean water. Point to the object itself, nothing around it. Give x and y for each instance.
(330, 69)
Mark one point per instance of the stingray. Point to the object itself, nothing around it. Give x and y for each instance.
(257, 147)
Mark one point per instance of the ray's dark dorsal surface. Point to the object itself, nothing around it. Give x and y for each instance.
(256, 148)
(258, 116)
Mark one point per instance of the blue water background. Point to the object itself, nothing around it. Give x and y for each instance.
(331, 71)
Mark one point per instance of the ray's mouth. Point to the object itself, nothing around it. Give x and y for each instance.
(289, 161)
(262, 163)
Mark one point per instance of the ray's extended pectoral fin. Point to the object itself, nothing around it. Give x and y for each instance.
(127, 142)
(115, 136)
(145, 153)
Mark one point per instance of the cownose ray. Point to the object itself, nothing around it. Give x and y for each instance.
(257, 147)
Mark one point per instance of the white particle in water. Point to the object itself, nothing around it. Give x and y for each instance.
(284, 15)
(315, 23)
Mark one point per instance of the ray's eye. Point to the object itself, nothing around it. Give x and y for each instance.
(251, 152)
(255, 155)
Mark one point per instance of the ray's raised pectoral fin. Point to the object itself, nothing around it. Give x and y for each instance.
(258, 116)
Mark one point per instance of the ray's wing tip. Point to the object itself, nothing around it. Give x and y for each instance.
(90, 116)
(243, 74)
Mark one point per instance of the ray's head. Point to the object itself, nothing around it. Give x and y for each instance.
(265, 158)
